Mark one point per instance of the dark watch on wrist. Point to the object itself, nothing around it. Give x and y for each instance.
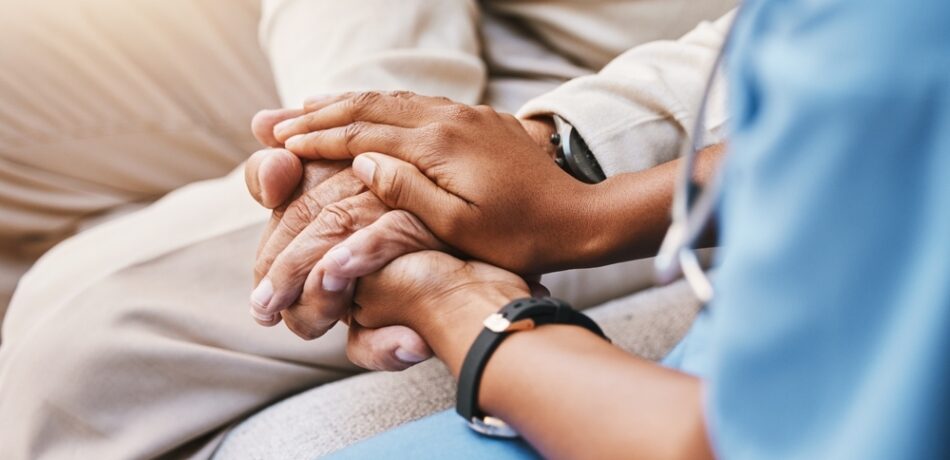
(518, 315)
(573, 155)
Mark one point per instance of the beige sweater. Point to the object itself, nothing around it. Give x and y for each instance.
(632, 113)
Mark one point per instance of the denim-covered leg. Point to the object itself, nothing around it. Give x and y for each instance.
(439, 436)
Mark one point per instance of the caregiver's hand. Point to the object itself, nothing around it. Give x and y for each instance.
(473, 176)
(443, 298)
(315, 205)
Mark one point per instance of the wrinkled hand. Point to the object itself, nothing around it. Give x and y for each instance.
(473, 176)
(317, 204)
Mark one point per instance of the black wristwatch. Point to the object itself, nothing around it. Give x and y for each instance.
(573, 155)
(518, 315)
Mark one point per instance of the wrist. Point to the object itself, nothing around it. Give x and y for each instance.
(455, 321)
(576, 220)
(540, 129)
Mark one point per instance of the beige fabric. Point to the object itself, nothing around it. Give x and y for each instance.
(131, 339)
(336, 415)
(633, 113)
(103, 103)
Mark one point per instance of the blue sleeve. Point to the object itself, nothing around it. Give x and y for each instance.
(832, 321)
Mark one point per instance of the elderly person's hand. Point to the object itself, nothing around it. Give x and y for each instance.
(317, 204)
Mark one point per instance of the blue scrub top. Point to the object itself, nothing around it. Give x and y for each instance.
(831, 326)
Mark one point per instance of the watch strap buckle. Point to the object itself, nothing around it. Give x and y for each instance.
(497, 323)
(492, 426)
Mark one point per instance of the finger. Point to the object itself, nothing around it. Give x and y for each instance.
(288, 222)
(392, 348)
(402, 186)
(267, 320)
(348, 141)
(398, 108)
(314, 174)
(272, 176)
(264, 121)
(291, 267)
(319, 306)
(310, 323)
(262, 125)
(370, 249)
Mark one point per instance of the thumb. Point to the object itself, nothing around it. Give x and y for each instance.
(391, 348)
(402, 186)
(272, 176)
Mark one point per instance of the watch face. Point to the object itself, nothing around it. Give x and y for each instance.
(581, 160)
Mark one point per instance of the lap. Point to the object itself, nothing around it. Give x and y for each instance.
(146, 318)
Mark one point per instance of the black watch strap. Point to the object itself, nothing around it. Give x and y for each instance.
(518, 315)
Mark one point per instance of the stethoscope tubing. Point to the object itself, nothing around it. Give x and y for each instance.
(693, 204)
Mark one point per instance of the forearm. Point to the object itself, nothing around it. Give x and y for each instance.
(626, 216)
(573, 395)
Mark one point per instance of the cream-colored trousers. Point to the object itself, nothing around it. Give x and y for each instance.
(131, 338)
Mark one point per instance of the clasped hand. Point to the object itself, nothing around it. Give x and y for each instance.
(426, 174)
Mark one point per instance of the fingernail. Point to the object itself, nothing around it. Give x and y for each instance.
(262, 317)
(282, 126)
(340, 255)
(334, 283)
(262, 294)
(407, 356)
(364, 168)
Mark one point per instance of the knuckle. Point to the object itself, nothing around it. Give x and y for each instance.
(262, 265)
(352, 134)
(393, 186)
(308, 122)
(402, 94)
(439, 134)
(298, 214)
(363, 102)
(462, 113)
(483, 109)
(337, 218)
